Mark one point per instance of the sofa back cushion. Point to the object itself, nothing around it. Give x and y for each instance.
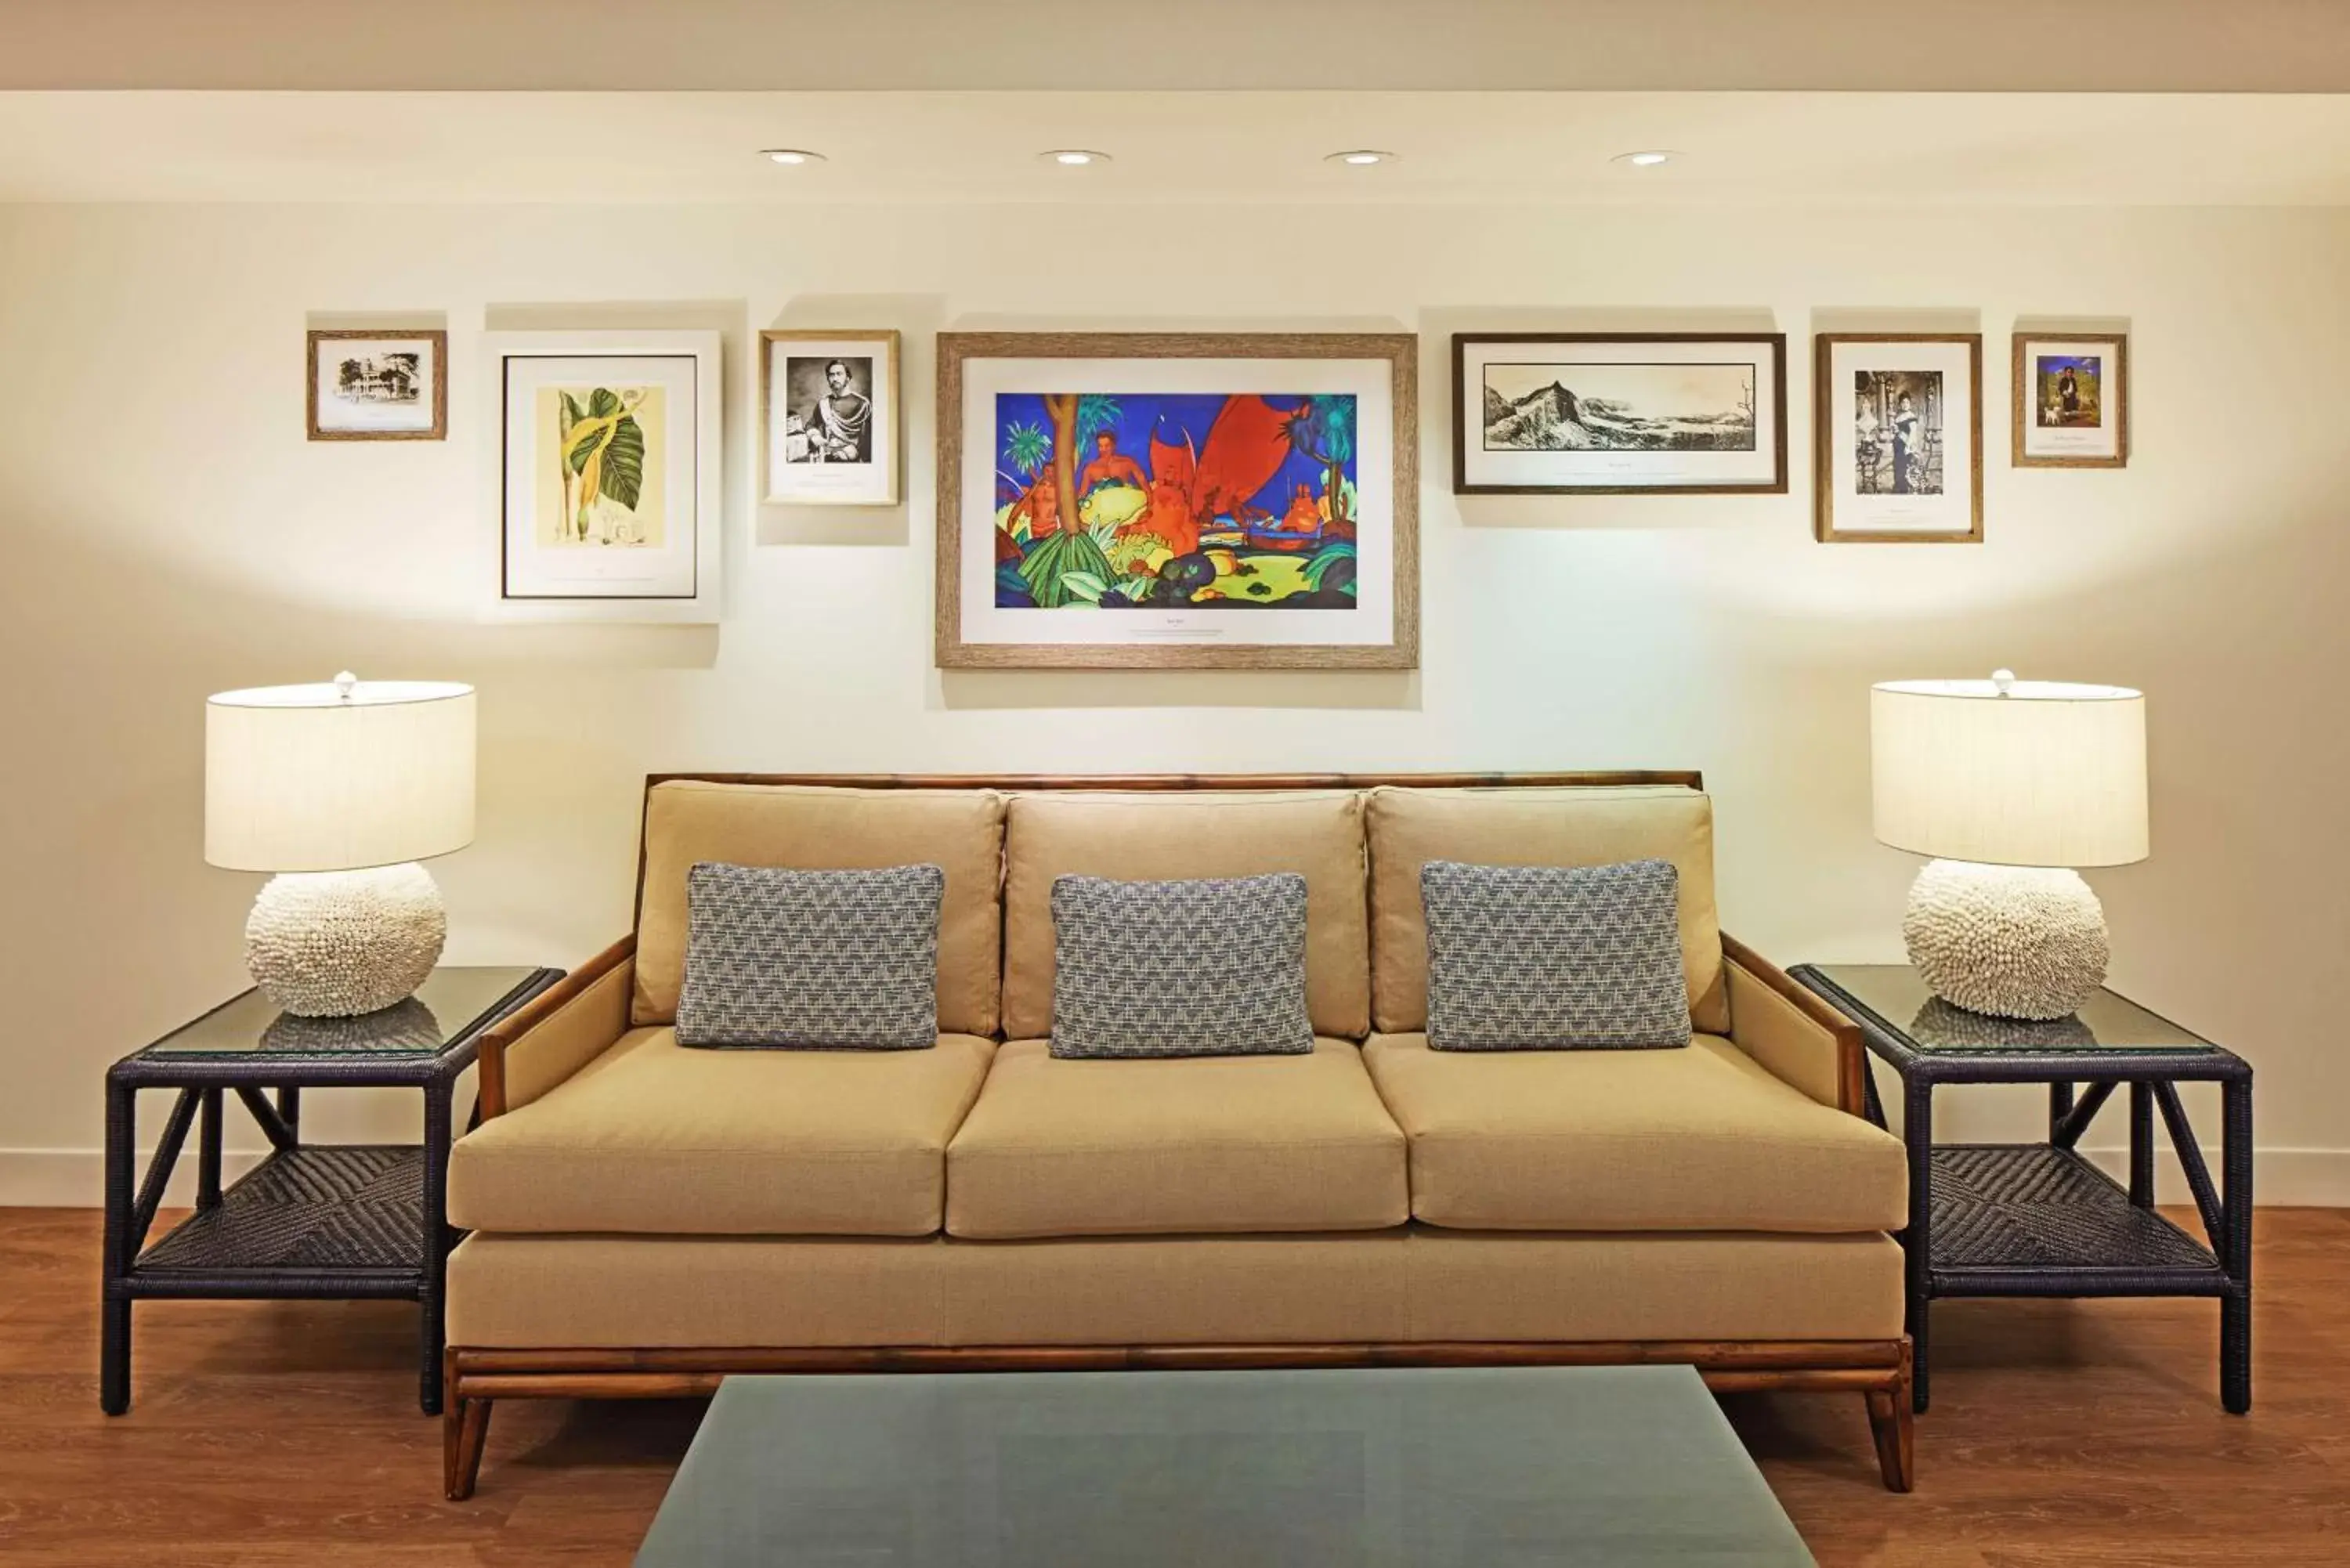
(1406, 829)
(812, 828)
(1151, 835)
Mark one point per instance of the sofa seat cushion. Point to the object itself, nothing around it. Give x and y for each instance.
(1203, 1145)
(1697, 1139)
(655, 1137)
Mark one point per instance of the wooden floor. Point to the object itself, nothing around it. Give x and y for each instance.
(287, 1433)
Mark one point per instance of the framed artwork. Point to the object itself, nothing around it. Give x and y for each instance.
(1178, 501)
(2072, 400)
(829, 419)
(1602, 413)
(1897, 422)
(609, 474)
(378, 386)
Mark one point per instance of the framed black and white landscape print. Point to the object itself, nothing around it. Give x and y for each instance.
(378, 386)
(1897, 429)
(2072, 400)
(828, 419)
(1619, 413)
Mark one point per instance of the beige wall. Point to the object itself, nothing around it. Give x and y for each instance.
(168, 532)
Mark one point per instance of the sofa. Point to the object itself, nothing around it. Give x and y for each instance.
(647, 1218)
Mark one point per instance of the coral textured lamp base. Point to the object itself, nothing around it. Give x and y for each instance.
(2014, 942)
(330, 944)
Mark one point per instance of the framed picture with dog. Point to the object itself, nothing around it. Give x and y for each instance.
(2072, 400)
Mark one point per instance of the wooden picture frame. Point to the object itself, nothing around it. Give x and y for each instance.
(801, 467)
(1204, 407)
(634, 562)
(370, 405)
(1881, 476)
(2044, 432)
(1611, 364)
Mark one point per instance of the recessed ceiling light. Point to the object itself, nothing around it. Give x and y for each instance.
(1073, 157)
(1360, 157)
(1648, 159)
(790, 155)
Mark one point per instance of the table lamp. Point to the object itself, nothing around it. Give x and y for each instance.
(340, 788)
(2010, 786)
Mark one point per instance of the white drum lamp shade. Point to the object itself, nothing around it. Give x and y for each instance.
(306, 778)
(2010, 785)
(2023, 773)
(340, 788)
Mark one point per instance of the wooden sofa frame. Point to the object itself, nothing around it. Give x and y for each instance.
(1878, 1370)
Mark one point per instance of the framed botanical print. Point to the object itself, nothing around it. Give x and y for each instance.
(1896, 422)
(1178, 501)
(829, 419)
(2072, 400)
(609, 474)
(1598, 413)
(378, 386)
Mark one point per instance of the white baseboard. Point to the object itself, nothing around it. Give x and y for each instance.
(75, 1177)
(2281, 1177)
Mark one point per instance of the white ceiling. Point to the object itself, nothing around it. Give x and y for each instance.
(1516, 147)
(1974, 46)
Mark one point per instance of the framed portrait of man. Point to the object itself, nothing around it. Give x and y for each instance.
(828, 419)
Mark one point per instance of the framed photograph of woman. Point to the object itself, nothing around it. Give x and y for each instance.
(2072, 400)
(1896, 422)
(829, 419)
(1175, 499)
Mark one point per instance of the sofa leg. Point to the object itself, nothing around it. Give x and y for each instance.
(464, 1428)
(1892, 1420)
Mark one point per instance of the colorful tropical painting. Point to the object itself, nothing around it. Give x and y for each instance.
(1133, 500)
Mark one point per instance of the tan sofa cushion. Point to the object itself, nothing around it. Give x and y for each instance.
(1701, 1138)
(812, 828)
(1406, 829)
(1145, 837)
(652, 1136)
(1213, 1145)
(1382, 1287)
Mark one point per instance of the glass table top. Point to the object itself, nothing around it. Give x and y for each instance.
(2107, 1022)
(1633, 1467)
(451, 1001)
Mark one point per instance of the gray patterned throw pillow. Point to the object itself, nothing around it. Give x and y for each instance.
(811, 960)
(1180, 969)
(1542, 958)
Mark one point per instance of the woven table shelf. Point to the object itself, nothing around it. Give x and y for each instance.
(2030, 1207)
(323, 1206)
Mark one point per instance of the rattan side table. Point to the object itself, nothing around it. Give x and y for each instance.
(2038, 1219)
(310, 1221)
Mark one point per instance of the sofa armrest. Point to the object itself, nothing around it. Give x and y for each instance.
(558, 1032)
(1799, 1038)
